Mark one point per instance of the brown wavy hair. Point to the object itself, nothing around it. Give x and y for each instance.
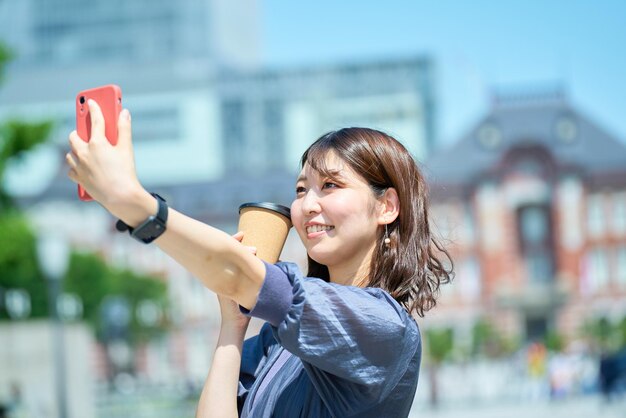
(410, 268)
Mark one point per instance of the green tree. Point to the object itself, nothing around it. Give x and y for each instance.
(18, 266)
(621, 331)
(137, 288)
(439, 345)
(604, 335)
(91, 278)
(5, 57)
(482, 336)
(16, 137)
(487, 341)
(88, 275)
(554, 341)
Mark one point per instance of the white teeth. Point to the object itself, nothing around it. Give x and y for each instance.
(318, 228)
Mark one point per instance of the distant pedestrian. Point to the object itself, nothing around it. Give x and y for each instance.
(536, 363)
(612, 373)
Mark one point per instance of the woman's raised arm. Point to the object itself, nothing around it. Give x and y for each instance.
(108, 174)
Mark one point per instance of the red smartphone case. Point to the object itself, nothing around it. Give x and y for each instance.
(109, 98)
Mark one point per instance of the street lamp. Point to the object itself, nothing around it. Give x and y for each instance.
(53, 256)
(70, 307)
(148, 313)
(17, 303)
(116, 316)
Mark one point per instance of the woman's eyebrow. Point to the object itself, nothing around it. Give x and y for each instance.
(335, 174)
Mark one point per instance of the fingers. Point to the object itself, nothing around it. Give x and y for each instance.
(124, 131)
(77, 145)
(73, 175)
(70, 158)
(97, 120)
(239, 237)
(71, 162)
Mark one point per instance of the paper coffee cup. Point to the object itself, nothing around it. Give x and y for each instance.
(265, 226)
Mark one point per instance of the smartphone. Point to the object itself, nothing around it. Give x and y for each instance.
(109, 98)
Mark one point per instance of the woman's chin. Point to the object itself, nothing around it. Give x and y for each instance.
(322, 257)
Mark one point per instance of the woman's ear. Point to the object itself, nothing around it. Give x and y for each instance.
(389, 207)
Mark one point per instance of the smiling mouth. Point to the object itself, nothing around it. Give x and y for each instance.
(318, 228)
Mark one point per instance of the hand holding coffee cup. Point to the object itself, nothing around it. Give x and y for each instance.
(265, 226)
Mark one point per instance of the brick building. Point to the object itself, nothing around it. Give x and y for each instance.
(532, 201)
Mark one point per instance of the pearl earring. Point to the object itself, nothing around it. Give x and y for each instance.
(387, 240)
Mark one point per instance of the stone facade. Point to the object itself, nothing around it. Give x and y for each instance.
(533, 203)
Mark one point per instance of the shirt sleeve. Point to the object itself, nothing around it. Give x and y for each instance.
(353, 341)
(254, 355)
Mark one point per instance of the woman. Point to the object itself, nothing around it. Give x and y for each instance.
(340, 343)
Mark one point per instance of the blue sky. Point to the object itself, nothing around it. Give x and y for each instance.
(476, 45)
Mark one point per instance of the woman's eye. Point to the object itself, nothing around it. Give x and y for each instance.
(300, 190)
(330, 185)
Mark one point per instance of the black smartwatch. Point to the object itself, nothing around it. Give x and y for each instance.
(151, 228)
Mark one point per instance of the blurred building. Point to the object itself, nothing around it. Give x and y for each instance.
(73, 34)
(166, 57)
(190, 74)
(532, 201)
(269, 118)
(211, 128)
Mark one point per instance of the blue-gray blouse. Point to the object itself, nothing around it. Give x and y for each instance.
(327, 350)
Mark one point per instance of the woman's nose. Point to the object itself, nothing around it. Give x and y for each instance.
(310, 203)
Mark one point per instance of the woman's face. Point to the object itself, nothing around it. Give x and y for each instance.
(335, 218)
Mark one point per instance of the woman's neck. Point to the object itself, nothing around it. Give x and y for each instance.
(353, 272)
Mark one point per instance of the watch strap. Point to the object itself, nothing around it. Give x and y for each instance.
(151, 228)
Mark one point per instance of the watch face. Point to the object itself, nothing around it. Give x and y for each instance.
(152, 229)
(149, 230)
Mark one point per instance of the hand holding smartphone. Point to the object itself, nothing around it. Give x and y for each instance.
(109, 98)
